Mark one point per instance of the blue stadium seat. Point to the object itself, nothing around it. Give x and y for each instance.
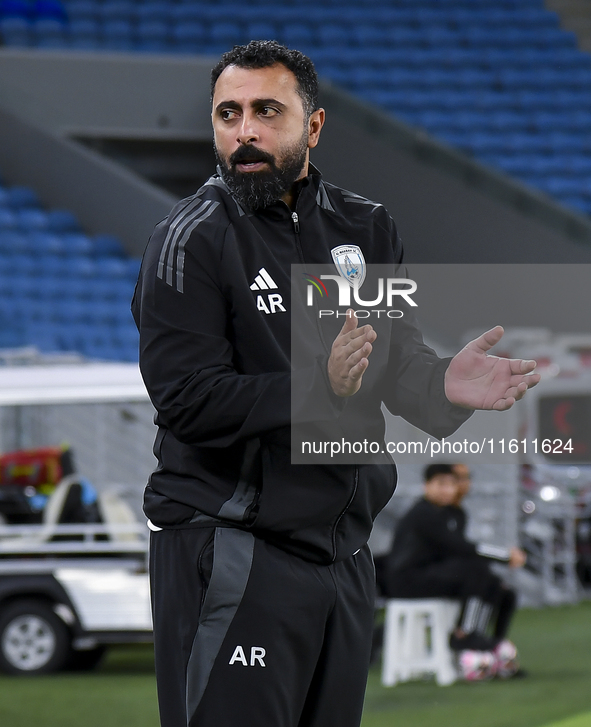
(112, 267)
(22, 264)
(132, 269)
(554, 186)
(548, 121)
(403, 36)
(101, 312)
(11, 336)
(51, 288)
(336, 74)
(22, 197)
(482, 144)
(508, 121)
(8, 219)
(44, 336)
(152, 36)
(50, 33)
(297, 35)
(261, 30)
(527, 166)
(361, 78)
(80, 289)
(77, 244)
(11, 242)
(108, 245)
(45, 243)
(284, 14)
(126, 330)
(539, 100)
(225, 12)
(75, 337)
(333, 35)
(62, 221)
(532, 18)
(31, 219)
(397, 16)
(396, 99)
(16, 32)
(117, 10)
(49, 9)
(19, 288)
(439, 36)
(187, 37)
(56, 267)
(575, 142)
(37, 311)
(578, 203)
(106, 289)
(102, 351)
(570, 58)
(13, 314)
(15, 9)
(118, 35)
(227, 32)
(578, 166)
(370, 35)
(183, 14)
(85, 33)
(83, 10)
(155, 10)
(82, 267)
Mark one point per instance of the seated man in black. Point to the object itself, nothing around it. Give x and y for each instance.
(431, 557)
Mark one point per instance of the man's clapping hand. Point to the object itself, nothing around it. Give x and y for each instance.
(349, 357)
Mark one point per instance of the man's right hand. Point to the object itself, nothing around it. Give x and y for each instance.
(349, 356)
(517, 558)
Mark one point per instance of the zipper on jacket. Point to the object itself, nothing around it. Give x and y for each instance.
(340, 517)
(296, 228)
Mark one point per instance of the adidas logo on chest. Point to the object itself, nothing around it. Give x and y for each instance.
(267, 302)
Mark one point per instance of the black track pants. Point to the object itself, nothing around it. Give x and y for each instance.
(247, 635)
(451, 578)
(461, 578)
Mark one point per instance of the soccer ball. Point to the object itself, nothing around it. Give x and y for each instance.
(506, 659)
(477, 666)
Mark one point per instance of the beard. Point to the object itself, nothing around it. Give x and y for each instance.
(256, 190)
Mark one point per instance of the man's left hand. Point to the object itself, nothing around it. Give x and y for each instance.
(475, 380)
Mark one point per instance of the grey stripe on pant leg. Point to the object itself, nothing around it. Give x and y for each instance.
(470, 614)
(232, 562)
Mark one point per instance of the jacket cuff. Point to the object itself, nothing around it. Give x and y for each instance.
(449, 416)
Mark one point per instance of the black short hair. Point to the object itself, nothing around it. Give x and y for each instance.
(266, 53)
(434, 470)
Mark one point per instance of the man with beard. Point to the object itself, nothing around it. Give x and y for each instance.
(262, 582)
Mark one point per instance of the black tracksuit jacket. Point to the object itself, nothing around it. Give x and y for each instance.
(218, 371)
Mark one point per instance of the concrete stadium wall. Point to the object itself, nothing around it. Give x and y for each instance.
(106, 197)
(112, 94)
(447, 207)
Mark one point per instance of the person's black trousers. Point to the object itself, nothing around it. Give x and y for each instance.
(247, 635)
(465, 578)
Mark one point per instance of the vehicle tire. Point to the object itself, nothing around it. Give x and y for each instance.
(86, 660)
(33, 639)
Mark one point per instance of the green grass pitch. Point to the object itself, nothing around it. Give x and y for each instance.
(554, 644)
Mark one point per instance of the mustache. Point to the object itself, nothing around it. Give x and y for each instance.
(251, 154)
